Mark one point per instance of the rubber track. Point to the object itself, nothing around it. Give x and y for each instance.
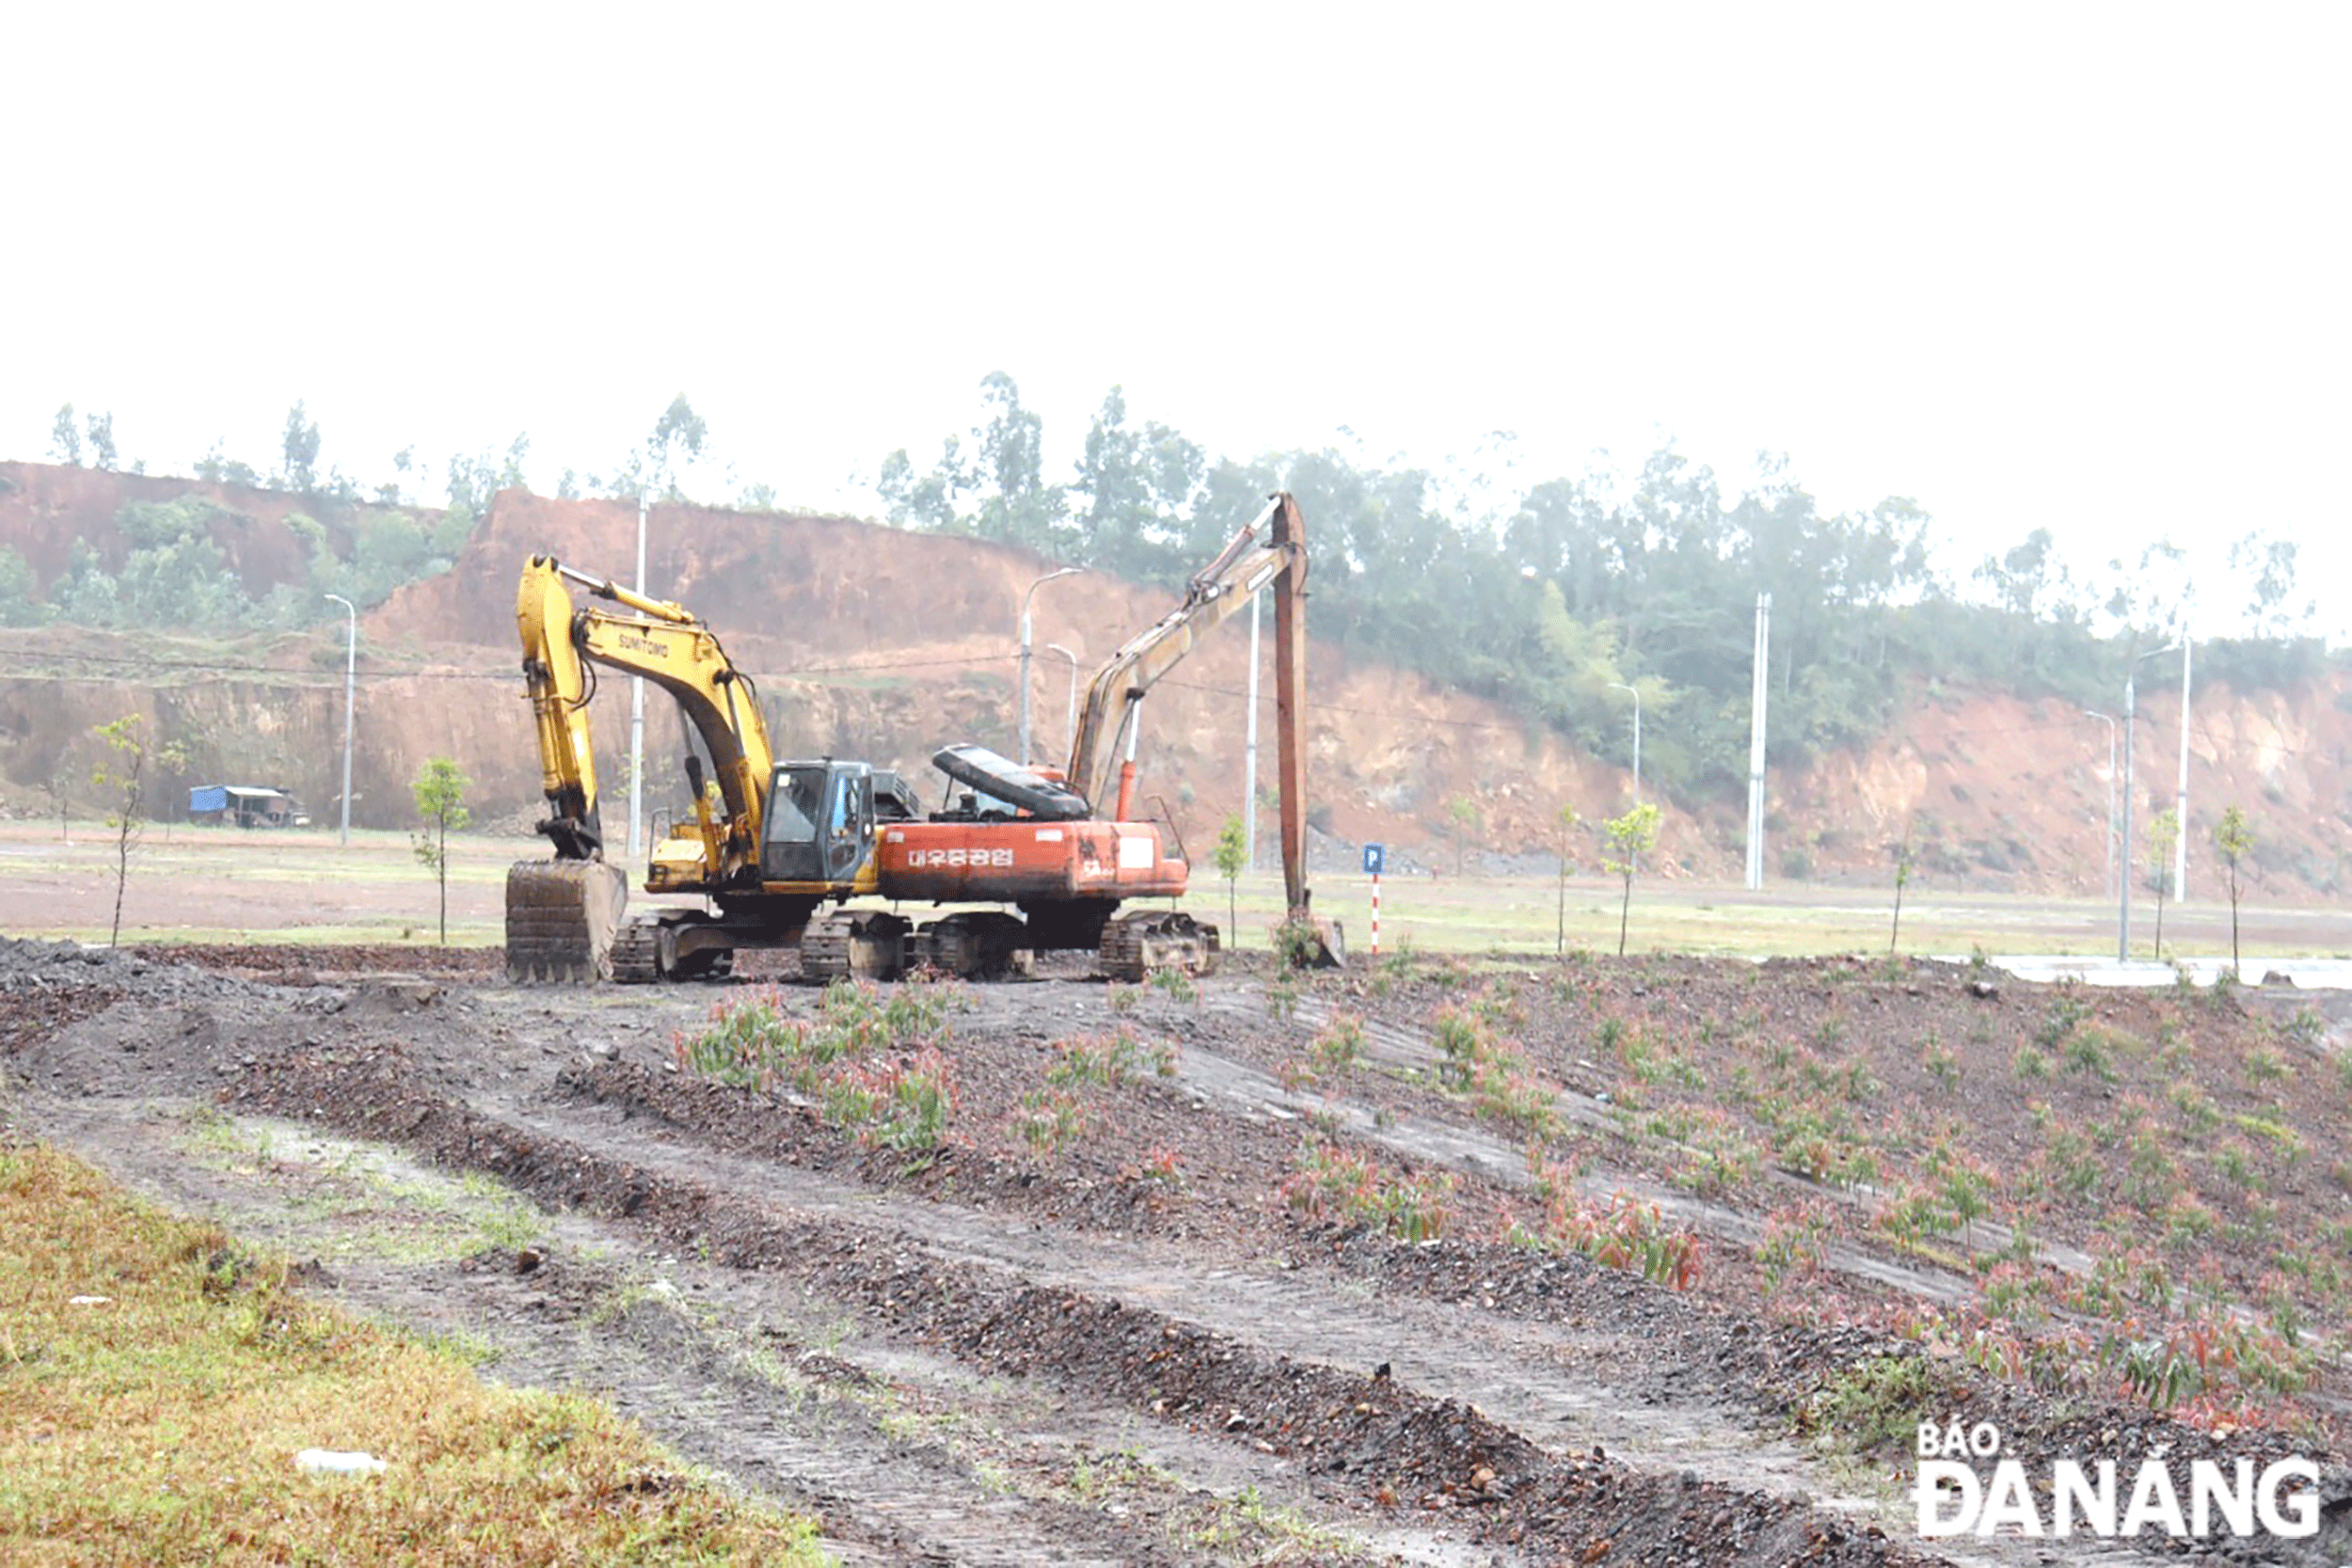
(637, 953)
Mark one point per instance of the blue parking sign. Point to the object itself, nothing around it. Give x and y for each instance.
(1374, 855)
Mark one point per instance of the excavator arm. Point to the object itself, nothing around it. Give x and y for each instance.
(1272, 549)
(563, 915)
(562, 643)
(1270, 545)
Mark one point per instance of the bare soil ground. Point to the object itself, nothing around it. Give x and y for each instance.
(1653, 1260)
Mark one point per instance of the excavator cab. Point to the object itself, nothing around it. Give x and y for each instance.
(819, 823)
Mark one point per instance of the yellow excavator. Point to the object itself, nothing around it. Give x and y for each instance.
(770, 843)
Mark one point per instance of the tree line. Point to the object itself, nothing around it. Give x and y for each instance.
(360, 542)
(1549, 597)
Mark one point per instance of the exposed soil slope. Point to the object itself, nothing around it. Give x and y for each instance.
(872, 643)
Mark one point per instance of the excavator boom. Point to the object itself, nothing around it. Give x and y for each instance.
(1264, 548)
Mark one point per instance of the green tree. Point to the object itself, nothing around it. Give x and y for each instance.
(679, 433)
(1569, 821)
(124, 774)
(1902, 880)
(471, 482)
(1004, 477)
(2233, 841)
(439, 791)
(101, 429)
(216, 468)
(2164, 832)
(1232, 859)
(1467, 824)
(1134, 495)
(300, 445)
(65, 438)
(18, 605)
(1630, 837)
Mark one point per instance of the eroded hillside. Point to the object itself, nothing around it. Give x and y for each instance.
(870, 641)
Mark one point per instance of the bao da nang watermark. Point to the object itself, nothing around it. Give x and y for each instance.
(1966, 1488)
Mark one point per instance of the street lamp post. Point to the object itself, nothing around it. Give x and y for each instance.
(637, 709)
(1620, 685)
(2124, 899)
(2179, 802)
(351, 665)
(2109, 720)
(1070, 708)
(1062, 572)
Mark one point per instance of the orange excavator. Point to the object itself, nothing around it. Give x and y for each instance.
(1065, 847)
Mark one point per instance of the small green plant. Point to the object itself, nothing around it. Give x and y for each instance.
(1796, 1244)
(440, 792)
(2164, 832)
(1629, 838)
(1337, 1051)
(1623, 1234)
(2086, 1054)
(1232, 859)
(1902, 880)
(2199, 1113)
(1327, 1180)
(1174, 984)
(2060, 1021)
(1941, 1065)
(2233, 841)
(124, 778)
(1109, 1060)
(1049, 1120)
(1281, 994)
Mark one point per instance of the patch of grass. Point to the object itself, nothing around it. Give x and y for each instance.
(1873, 1404)
(2284, 1140)
(2090, 1052)
(161, 1425)
(2199, 1113)
(879, 1069)
(1246, 1528)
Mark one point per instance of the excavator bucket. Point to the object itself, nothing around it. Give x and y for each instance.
(1310, 942)
(562, 916)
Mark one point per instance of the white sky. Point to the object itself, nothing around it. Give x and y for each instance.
(2081, 267)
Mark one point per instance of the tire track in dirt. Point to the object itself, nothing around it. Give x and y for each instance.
(1346, 1430)
(1549, 1381)
(819, 1440)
